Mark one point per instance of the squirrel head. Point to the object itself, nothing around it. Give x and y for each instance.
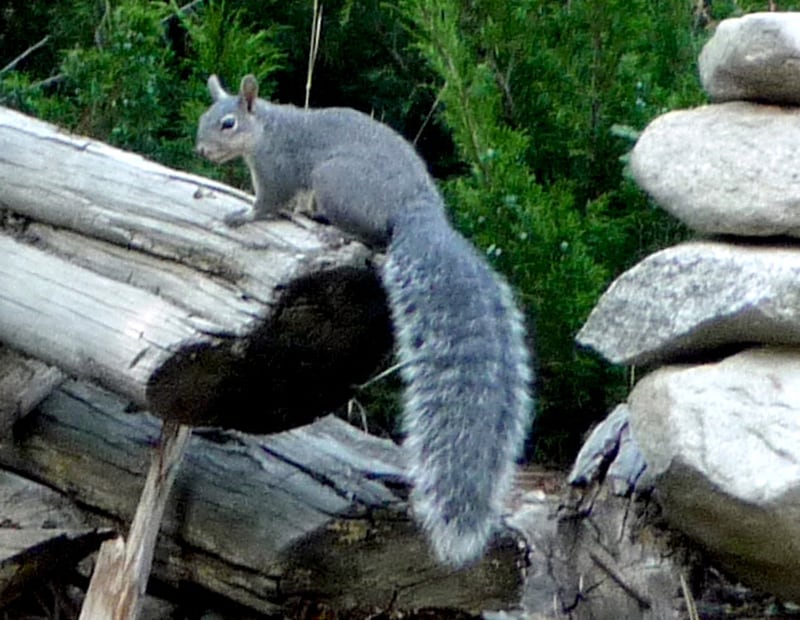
(230, 128)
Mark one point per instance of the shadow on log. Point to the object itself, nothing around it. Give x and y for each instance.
(328, 332)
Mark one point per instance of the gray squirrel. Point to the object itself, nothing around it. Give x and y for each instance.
(460, 338)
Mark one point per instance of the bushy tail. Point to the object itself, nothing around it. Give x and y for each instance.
(467, 409)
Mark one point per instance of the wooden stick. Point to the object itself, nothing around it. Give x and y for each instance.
(24, 55)
(316, 30)
(119, 582)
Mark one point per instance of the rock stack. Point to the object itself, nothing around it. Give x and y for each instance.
(717, 320)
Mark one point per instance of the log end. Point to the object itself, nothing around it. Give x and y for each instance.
(329, 332)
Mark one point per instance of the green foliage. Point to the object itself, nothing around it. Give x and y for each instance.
(128, 86)
(722, 9)
(119, 87)
(221, 44)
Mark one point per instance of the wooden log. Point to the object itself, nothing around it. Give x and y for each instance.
(121, 271)
(314, 514)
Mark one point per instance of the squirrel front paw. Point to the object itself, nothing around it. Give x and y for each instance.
(237, 218)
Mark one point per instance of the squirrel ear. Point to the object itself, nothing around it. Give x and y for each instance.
(248, 91)
(215, 88)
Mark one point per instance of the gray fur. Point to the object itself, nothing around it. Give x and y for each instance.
(459, 334)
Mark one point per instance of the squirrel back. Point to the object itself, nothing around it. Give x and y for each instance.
(460, 338)
(358, 168)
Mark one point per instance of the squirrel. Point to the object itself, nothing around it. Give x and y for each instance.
(460, 338)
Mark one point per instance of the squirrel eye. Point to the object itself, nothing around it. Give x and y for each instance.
(228, 122)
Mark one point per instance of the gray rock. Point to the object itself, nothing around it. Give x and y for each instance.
(755, 57)
(698, 296)
(722, 442)
(731, 168)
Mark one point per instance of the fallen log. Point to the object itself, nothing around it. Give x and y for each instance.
(314, 514)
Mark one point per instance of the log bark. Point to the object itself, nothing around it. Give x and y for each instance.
(121, 271)
(313, 514)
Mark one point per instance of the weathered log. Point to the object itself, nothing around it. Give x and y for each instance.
(121, 271)
(317, 513)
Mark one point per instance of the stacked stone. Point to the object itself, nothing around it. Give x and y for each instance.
(722, 437)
